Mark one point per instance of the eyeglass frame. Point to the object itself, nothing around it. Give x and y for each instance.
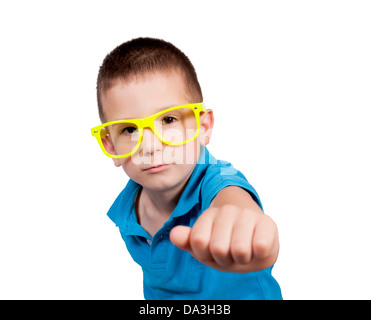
(99, 132)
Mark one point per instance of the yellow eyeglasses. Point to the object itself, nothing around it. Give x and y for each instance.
(173, 126)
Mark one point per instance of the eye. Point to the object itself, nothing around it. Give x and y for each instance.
(168, 120)
(129, 130)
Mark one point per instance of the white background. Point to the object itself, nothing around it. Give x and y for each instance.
(290, 85)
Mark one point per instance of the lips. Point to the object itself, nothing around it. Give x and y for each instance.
(158, 168)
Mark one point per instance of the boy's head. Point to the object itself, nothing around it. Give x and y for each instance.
(140, 57)
(139, 79)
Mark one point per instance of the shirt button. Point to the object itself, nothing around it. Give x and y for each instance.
(149, 241)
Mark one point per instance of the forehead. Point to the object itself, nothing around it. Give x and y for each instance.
(144, 95)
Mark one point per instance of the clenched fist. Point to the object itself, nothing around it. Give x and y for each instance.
(233, 235)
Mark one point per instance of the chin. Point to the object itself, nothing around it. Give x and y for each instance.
(163, 182)
(160, 184)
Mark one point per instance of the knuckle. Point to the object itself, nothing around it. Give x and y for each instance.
(262, 248)
(217, 249)
(241, 254)
(198, 241)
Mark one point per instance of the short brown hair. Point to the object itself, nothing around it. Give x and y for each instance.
(141, 56)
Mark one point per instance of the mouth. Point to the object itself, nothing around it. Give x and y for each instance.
(158, 168)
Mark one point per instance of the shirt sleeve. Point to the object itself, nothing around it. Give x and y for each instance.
(221, 175)
(122, 205)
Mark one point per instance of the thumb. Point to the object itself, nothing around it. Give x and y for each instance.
(179, 236)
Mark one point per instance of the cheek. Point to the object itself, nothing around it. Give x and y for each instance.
(128, 166)
(184, 154)
(192, 151)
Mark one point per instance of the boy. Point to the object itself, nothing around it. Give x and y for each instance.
(194, 224)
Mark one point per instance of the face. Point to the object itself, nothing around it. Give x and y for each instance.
(155, 165)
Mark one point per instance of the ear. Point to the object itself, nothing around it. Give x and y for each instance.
(206, 126)
(110, 148)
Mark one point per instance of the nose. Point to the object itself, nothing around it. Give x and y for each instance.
(150, 143)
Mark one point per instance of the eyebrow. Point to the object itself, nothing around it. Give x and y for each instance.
(161, 109)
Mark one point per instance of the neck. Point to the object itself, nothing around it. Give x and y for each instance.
(163, 203)
(154, 208)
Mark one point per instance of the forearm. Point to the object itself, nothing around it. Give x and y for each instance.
(235, 196)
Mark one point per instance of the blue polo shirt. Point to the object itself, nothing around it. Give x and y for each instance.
(171, 273)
